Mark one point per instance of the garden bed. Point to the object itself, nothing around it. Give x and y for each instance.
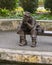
(37, 16)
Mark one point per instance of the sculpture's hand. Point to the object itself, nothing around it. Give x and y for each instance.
(29, 25)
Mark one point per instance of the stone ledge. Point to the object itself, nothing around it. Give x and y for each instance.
(26, 56)
(11, 24)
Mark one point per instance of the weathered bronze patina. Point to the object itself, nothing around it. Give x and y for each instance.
(28, 26)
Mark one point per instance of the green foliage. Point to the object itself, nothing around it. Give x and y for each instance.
(8, 4)
(48, 4)
(42, 16)
(4, 12)
(29, 5)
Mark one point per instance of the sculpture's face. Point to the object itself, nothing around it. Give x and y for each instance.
(27, 14)
(26, 17)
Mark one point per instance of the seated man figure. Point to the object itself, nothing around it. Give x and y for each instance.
(28, 26)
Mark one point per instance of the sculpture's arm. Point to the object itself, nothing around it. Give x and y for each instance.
(31, 25)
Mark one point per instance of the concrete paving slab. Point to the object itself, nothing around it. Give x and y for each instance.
(10, 40)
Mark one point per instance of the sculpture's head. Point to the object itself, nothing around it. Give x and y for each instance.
(27, 14)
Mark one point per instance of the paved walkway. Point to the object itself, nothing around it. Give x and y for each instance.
(10, 40)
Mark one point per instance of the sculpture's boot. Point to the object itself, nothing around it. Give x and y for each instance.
(33, 42)
(22, 41)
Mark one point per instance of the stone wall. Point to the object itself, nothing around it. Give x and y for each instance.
(46, 24)
(9, 25)
(12, 24)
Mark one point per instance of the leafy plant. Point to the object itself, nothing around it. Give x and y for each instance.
(29, 5)
(4, 12)
(48, 5)
(8, 4)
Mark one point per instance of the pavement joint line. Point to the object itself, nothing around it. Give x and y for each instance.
(25, 52)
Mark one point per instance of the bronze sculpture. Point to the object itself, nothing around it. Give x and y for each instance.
(28, 26)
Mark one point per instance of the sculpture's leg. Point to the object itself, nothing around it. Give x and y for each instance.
(25, 39)
(33, 36)
(22, 39)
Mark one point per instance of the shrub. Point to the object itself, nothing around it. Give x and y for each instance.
(8, 4)
(48, 4)
(29, 5)
(19, 11)
(4, 12)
